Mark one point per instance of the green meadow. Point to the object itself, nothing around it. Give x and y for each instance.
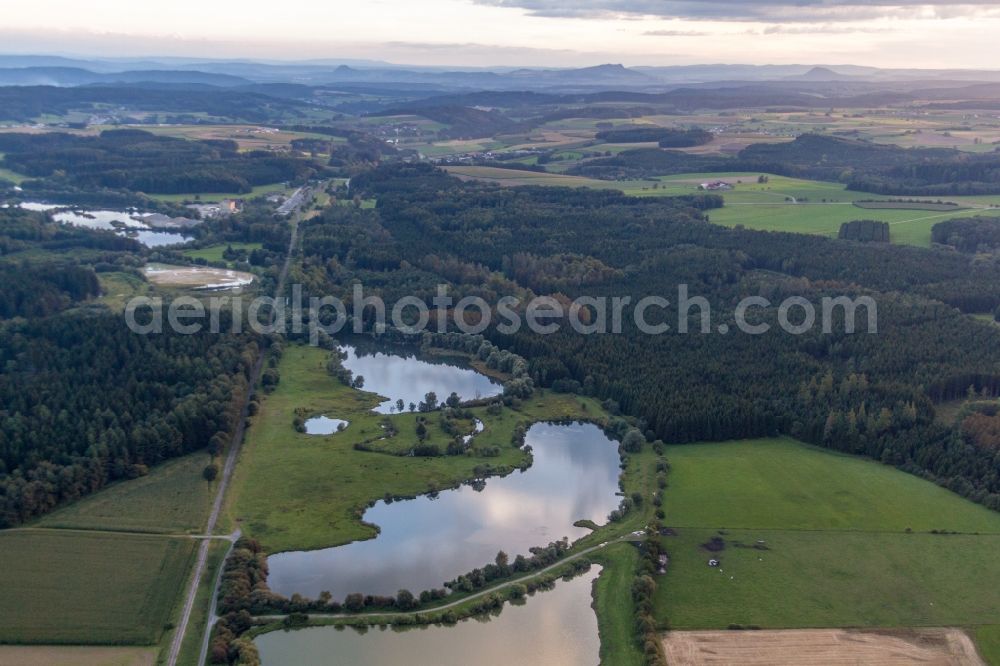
(818, 539)
(783, 484)
(213, 253)
(296, 491)
(614, 606)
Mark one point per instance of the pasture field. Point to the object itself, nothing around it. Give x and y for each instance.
(172, 498)
(784, 484)
(62, 587)
(988, 642)
(908, 227)
(295, 491)
(845, 542)
(829, 579)
(213, 253)
(77, 655)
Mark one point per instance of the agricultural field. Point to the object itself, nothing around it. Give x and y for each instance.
(843, 540)
(821, 646)
(294, 491)
(63, 587)
(781, 204)
(172, 498)
(77, 655)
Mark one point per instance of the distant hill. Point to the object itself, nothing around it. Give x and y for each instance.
(823, 74)
(76, 76)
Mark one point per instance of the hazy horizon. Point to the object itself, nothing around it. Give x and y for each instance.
(516, 33)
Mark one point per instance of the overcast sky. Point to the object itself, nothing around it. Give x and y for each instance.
(516, 32)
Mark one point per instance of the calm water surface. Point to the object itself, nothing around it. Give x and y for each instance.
(404, 376)
(554, 628)
(425, 542)
(109, 220)
(323, 425)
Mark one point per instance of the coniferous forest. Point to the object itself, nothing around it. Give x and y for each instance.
(871, 394)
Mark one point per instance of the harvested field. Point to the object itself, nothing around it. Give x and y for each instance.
(829, 647)
(196, 277)
(49, 655)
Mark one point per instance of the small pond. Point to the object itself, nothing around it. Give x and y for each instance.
(324, 425)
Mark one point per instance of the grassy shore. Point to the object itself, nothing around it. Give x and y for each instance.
(295, 491)
(614, 607)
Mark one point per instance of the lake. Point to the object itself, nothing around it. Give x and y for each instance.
(120, 222)
(427, 541)
(401, 374)
(554, 628)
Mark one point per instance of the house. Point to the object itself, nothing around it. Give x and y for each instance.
(715, 186)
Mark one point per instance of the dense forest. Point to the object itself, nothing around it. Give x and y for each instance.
(970, 234)
(666, 137)
(862, 393)
(866, 231)
(86, 402)
(83, 400)
(140, 161)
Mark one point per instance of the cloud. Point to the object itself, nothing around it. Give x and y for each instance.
(813, 11)
(676, 33)
(824, 29)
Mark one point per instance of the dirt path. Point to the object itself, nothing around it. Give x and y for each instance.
(224, 478)
(826, 647)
